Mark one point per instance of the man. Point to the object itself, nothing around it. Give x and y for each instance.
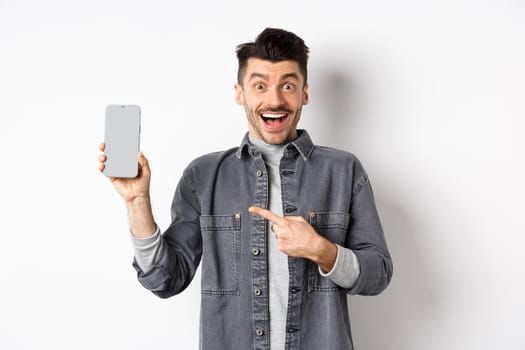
(285, 228)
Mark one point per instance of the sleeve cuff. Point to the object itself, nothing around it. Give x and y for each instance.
(145, 240)
(146, 250)
(345, 271)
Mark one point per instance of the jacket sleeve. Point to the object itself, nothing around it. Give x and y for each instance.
(367, 241)
(182, 249)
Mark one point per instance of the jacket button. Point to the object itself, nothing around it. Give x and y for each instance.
(259, 173)
(256, 251)
(257, 292)
(290, 210)
(295, 290)
(292, 330)
(259, 332)
(237, 216)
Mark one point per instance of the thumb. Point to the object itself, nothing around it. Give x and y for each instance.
(143, 163)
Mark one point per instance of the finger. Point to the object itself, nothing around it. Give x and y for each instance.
(266, 214)
(102, 158)
(102, 146)
(101, 167)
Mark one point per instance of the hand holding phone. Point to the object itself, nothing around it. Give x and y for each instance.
(128, 169)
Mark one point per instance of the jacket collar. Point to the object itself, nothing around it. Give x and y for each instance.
(302, 144)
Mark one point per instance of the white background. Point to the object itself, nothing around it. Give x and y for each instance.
(428, 94)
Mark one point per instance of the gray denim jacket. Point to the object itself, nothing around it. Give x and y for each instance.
(210, 220)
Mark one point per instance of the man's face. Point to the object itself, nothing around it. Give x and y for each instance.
(273, 95)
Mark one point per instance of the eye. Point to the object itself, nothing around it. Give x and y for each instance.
(259, 86)
(288, 86)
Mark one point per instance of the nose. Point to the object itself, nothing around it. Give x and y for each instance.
(274, 97)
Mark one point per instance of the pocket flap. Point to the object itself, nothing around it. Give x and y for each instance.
(329, 219)
(220, 222)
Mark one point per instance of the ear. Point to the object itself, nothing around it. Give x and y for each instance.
(239, 94)
(306, 97)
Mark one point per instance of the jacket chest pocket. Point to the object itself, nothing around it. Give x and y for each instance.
(221, 253)
(334, 227)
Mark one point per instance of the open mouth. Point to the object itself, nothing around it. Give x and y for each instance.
(274, 120)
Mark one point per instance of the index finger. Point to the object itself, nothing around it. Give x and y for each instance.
(266, 214)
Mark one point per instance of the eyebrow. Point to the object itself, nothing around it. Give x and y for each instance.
(266, 77)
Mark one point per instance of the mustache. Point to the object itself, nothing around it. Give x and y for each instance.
(274, 109)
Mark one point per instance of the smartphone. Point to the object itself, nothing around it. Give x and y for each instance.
(122, 139)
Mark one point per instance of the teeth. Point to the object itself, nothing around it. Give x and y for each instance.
(273, 116)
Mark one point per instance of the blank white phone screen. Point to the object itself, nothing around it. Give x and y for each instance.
(122, 139)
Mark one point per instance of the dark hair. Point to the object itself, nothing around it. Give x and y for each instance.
(273, 45)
